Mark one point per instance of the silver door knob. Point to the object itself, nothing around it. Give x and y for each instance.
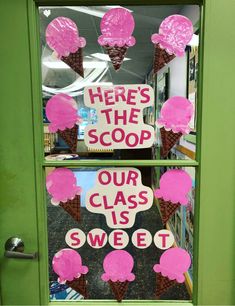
(14, 248)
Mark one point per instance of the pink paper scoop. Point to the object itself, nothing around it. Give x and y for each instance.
(175, 185)
(176, 114)
(175, 33)
(117, 26)
(61, 185)
(61, 111)
(174, 263)
(67, 264)
(62, 36)
(118, 265)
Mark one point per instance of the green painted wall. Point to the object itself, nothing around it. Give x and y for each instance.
(217, 208)
(19, 279)
(216, 247)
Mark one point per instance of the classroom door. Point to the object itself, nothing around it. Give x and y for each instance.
(25, 281)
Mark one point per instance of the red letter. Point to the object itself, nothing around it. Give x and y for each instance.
(119, 92)
(114, 135)
(141, 195)
(135, 140)
(101, 180)
(95, 95)
(131, 199)
(145, 135)
(132, 176)
(140, 239)
(91, 200)
(117, 236)
(163, 239)
(73, 237)
(90, 134)
(133, 115)
(105, 144)
(124, 216)
(108, 98)
(120, 198)
(107, 116)
(96, 239)
(146, 96)
(130, 97)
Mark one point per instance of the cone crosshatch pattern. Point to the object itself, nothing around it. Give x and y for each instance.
(163, 283)
(75, 61)
(167, 209)
(117, 55)
(72, 207)
(119, 289)
(79, 285)
(70, 136)
(169, 139)
(161, 58)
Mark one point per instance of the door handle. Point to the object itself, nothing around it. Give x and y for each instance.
(14, 248)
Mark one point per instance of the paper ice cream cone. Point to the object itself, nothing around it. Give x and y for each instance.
(167, 209)
(119, 289)
(75, 61)
(72, 207)
(169, 139)
(79, 285)
(70, 136)
(161, 58)
(116, 55)
(163, 283)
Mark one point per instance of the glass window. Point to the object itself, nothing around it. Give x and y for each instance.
(121, 209)
(178, 77)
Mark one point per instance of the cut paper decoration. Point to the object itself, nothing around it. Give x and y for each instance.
(174, 263)
(61, 185)
(119, 195)
(67, 264)
(175, 33)
(118, 267)
(62, 36)
(62, 112)
(174, 121)
(117, 26)
(175, 185)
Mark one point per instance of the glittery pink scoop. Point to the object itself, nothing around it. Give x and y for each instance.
(117, 26)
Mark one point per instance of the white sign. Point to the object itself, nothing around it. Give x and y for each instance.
(120, 116)
(119, 194)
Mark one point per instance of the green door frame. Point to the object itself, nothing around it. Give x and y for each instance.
(23, 210)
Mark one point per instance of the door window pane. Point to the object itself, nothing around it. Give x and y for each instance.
(110, 216)
(179, 77)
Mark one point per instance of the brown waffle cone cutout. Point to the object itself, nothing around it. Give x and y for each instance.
(163, 283)
(119, 289)
(167, 209)
(169, 139)
(116, 55)
(79, 285)
(70, 136)
(161, 58)
(72, 207)
(75, 61)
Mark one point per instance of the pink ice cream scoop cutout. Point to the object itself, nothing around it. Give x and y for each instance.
(176, 114)
(174, 263)
(118, 265)
(175, 33)
(62, 112)
(175, 185)
(67, 264)
(117, 26)
(62, 36)
(61, 185)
